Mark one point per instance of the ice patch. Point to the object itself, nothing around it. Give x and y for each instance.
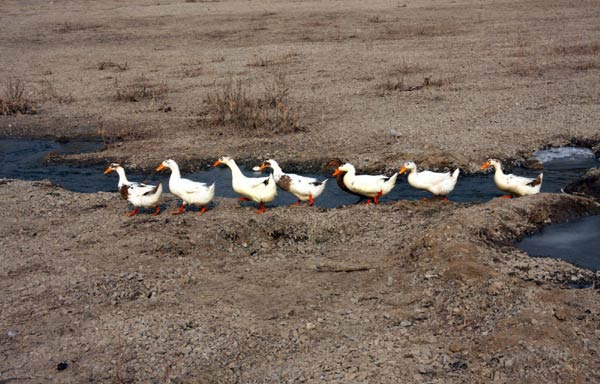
(563, 153)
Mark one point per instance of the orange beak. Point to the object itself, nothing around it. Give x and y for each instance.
(107, 170)
(402, 170)
(485, 165)
(262, 166)
(337, 172)
(217, 163)
(160, 167)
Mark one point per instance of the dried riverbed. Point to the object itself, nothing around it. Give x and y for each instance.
(425, 291)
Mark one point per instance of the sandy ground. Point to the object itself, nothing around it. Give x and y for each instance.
(510, 76)
(402, 292)
(293, 295)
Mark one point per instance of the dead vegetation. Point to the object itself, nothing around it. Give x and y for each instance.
(397, 31)
(111, 65)
(68, 27)
(286, 58)
(526, 68)
(13, 100)
(270, 113)
(398, 84)
(141, 88)
(590, 48)
(49, 92)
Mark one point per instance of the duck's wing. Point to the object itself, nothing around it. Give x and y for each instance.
(141, 189)
(433, 178)
(190, 186)
(255, 182)
(518, 180)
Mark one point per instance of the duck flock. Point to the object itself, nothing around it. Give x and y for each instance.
(263, 190)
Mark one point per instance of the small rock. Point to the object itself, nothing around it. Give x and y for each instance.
(457, 347)
(62, 366)
(405, 323)
(310, 326)
(560, 314)
(11, 333)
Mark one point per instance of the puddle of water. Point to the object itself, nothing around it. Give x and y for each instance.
(577, 242)
(23, 159)
(566, 155)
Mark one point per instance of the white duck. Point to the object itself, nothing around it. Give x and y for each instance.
(258, 189)
(304, 188)
(367, 185)
(440, 184)
(190, 192)
(122, 178)
(515, 185)
(138, 194)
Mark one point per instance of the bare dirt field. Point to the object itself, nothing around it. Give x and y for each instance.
(505, 78)
(401, 292)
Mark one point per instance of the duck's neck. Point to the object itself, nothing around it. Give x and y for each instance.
(498, 170)
(175, 174)
(277, 171)
(122, 177)
(235, 170)
(349, 176)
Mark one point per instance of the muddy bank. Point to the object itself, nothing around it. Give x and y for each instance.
(424, 291)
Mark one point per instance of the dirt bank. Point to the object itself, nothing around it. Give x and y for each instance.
(423, 291)
(503, 78)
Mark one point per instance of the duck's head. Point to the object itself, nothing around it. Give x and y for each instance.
(490, 163)
(112, 167)
(166, 164)
(222, 160)
(343, 168)
(334, 163)
(268, 164)
(408, 166)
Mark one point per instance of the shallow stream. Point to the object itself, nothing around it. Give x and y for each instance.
(24, 159)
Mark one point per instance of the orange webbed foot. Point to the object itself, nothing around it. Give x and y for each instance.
(261, 208)
(156, 211)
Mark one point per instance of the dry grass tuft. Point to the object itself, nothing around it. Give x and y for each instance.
(110, 65)
(591, 48)
(398, 84)
(270, 113)
(376, 19)
(526, 69)
(68, 27)
(13, 101)
(397, 31)
(287, 58)
(139, 89)
(49, 92)
(586, 65)
(405, 68)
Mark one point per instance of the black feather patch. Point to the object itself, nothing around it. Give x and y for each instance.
(151, 192)
(284, 182)
(124, 190)
(535, 182)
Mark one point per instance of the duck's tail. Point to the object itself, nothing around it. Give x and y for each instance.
(455, 174)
